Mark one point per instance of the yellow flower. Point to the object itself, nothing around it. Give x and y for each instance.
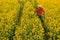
(50, 34)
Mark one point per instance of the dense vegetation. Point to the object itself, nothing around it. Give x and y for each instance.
(18, 22)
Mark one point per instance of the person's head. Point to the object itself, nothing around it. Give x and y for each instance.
(39, 5)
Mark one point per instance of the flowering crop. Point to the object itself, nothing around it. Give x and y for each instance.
(30, 27)
(8, 18)
(19, 22)
(51, 19)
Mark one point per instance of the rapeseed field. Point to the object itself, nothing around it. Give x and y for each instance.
(19, 22)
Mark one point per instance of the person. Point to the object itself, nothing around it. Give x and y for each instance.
(39, 11)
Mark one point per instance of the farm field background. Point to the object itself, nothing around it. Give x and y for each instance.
(18, 22)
